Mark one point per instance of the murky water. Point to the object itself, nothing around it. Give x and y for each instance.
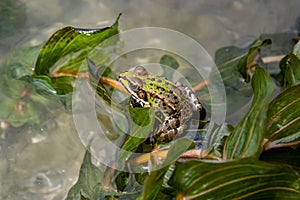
(42, 162)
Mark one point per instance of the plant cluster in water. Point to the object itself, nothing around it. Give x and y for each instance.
(257, 158)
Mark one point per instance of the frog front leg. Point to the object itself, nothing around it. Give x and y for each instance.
(169, 129)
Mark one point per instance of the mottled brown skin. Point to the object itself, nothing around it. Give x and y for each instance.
(174, 100)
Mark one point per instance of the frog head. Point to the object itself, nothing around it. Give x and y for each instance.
(134, 82)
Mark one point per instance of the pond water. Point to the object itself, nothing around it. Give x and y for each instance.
(41, 160)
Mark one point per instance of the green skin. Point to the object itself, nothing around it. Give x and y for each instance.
(174, 100)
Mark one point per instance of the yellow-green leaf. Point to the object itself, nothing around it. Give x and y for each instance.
(283, 119)
(247, 137)
(238, 179)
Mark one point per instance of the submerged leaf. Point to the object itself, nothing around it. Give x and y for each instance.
(88, 184)
(283, 119)
(247, 137)
(235, 180)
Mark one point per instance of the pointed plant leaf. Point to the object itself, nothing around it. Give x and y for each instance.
(245, 62)
(282, 44)
(283, 119)
(95, 74)
(238, 179)
(237, 90)
(41, 84)
(88, 184)
(141, 127)
(216, 139)
(70, 40)
(61, 57)
(247, 137)
(290, 69)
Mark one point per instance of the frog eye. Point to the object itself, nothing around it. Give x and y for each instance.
(140, 70)
(142, 95)
(134, 87)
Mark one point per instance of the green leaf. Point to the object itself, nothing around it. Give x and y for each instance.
(44, 86)
(290, 70)
(143, 121)
(75, 43)
(88, 184)
(19, 112)
(18, 63)
(61, 57)
(235, 180)
(171, 62)
(95, 74)
(141, 127)
(282, 43)
(283, 119)
(216, 139)
(238, 92)
(246, 61)
(154, 182)
(247, 137)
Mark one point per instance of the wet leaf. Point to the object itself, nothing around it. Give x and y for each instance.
(283, 119)
(290, 70)
(282, 44)
(235, 180)
(141, 127)
(17, 64)
(70, 41)
(246, 62)
(68, 48)
(216, 139)
(247, 137)
(88, 184)
(154, 182)
(19, 112)
(95, 74)
(20, 103)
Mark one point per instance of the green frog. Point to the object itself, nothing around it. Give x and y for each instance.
(175, 101)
